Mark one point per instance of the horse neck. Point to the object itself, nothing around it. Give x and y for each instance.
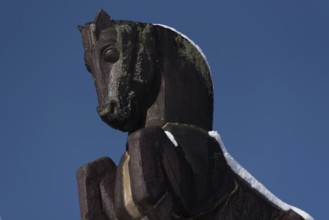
(182, 97)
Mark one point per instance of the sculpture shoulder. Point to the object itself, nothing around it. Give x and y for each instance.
(148, 135)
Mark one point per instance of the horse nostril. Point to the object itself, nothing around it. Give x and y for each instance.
(112, 107)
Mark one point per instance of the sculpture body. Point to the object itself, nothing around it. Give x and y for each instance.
(155, 84)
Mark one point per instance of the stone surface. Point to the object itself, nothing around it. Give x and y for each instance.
(150, 79)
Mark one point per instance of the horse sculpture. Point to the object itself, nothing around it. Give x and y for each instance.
(155, 84)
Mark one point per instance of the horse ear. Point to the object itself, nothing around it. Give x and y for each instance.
(103, 20)
(80, 28)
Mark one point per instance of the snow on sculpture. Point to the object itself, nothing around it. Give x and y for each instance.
(155, 84)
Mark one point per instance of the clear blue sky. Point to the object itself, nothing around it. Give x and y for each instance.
(270, 68)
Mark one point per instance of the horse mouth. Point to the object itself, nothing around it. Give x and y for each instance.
(106, 109)
(118, 118)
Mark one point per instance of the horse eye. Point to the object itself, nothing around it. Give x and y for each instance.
(111, 55)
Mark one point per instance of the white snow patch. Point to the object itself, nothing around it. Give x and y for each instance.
(215, 135)
(254, 183)
(187, 38)
(302, 213)
(171, 138)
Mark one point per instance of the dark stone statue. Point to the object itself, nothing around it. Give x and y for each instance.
(155, 84)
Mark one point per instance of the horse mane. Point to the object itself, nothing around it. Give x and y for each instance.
(186, 90)
(169, 74)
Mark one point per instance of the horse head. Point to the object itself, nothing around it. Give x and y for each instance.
(120, 58)
(146, 75)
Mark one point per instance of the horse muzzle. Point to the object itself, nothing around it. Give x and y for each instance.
(115, 115)
(109, 108)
